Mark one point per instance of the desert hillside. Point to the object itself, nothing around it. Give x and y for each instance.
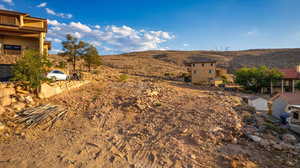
(278, 58)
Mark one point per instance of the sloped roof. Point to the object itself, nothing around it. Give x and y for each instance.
(11, 12)
(202, 60)
(290, 98)
(290, 73)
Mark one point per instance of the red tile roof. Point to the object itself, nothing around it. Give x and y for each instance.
(290, 73)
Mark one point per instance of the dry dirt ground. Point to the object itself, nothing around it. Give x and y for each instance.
(140, 123)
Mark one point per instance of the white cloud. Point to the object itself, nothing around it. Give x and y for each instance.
(42, 5)
(186, 45)
(80, 26)
(56, 40)
(252, 32)
(97, 27)
(110, 38)
(77, 35)
(8, 1)
(53, 22)
(95, 43)
(56, 51)
(62, 15)
(50, 11)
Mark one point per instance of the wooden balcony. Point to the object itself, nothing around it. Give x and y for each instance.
(26, 23)
(9, 20)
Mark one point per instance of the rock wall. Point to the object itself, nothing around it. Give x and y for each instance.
(6, 91)
(49, 90)
(15, 98)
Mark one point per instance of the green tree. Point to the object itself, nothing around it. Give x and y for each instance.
(61, 64)
(298, 85)
(74, 49)
(256, 78)
(30, 70)
(91, 57)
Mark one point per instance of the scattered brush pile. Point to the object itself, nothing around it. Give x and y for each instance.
(41, 115)
(19, 123)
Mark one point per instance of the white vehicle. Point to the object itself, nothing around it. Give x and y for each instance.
(57, 75)
(294, 120)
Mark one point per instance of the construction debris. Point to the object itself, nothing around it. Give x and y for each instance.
(43, 114)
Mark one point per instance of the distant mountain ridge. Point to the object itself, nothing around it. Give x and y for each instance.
(277, 58)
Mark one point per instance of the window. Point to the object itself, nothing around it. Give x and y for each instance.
(12, 49)
(58, 72)
(203, 65)
(212, 64)
(195, 71)
(296, 115)
(210, 71)
(193, 65)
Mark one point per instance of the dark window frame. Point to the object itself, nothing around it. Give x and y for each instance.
(296, 115)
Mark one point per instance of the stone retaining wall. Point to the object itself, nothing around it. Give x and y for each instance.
(6, 91)
(15, 98)
(49, 90)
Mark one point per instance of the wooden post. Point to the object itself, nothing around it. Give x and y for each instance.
(293, 85)
(270, 105)
(282, 86)
(41, 43)
(271, 90)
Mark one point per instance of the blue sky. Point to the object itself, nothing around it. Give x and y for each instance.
(117, 26)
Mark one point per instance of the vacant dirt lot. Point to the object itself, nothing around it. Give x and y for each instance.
(140, 122)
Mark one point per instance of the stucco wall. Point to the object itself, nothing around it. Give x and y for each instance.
(200, 72)
(259, 104)
(25, 42)
(278, 107)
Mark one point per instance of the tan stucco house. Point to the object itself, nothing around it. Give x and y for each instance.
(18, 32)
(205, 71)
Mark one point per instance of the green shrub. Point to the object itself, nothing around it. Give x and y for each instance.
(248, 118)
(30, 70)
(62, 64)
(255, 79)
(275, 128)
(123, 77)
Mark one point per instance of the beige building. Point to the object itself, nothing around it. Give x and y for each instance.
(19, 32)
(203, 71)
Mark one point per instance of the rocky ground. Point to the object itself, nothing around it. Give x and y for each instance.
(146, 122)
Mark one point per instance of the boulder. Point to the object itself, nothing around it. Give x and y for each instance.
(19, 106)
(5, 101)
(2, 110)
(255, 138)
(21, 97)
(2, 126)
(289, 138)
(28, 99)
(7, 92)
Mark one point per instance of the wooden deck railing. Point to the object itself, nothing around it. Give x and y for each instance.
(8, 20)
